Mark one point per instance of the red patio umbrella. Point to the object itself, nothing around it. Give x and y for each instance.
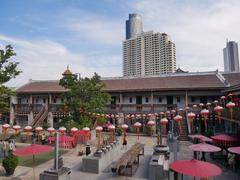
(195, 168)
(235, 150)
(203, 147)
(33, 149)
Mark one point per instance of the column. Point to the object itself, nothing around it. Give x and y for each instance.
(120, 103)
(152, 102)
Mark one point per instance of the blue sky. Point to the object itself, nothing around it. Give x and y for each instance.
(48, 35)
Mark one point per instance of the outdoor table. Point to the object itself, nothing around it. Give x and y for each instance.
(204, 148)
(64, 141)
(235, 150)
(200, 137)
(195, 168)
(225, 141)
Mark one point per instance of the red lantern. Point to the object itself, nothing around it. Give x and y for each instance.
(16, 129)
(50, 130)
(191, 116)
(137, 125)
(124, 127)
(194, 106)
(230, 106)
(151, 124)
(111, 129)
(205, 114)
(87, 130)
(187, 108)
(164, 123)
(99, 130)
(218, 110)
(178, 119)
(5, 128)
(38, 130)
(62, 130)
(28, 129)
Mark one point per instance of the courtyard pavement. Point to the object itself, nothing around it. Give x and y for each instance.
(73, 161)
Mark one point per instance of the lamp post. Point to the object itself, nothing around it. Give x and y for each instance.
(137, 125)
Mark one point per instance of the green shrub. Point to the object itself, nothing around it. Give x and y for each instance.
(101, 120)
(9, 163)
(118, 131)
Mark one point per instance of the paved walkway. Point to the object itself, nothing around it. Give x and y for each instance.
(73, 161)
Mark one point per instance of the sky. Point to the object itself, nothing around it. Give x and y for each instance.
(48, 35)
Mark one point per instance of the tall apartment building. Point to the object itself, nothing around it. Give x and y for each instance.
(231, 58)
(146, 53)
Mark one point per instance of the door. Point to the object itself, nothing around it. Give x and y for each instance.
(139, 100)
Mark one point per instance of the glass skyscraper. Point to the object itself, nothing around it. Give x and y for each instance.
(133, 26)
(231, 58)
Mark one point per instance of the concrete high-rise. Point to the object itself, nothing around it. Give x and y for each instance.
(148, 54)
(231, 58)
(133, 26)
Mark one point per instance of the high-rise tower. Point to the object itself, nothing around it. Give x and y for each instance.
(231, 58)
(147, 53)
(133, 26)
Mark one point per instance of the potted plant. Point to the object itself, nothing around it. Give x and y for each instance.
(10, 163)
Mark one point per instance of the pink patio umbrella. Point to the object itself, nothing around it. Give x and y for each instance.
(235, 150)
(32, 150)
(124, 127)
(195, 168)
(204, 148)
(200, 137)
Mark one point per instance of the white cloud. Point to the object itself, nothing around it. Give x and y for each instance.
(199, 30)
(46, 60)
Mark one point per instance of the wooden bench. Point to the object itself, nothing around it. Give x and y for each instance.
(128, 159)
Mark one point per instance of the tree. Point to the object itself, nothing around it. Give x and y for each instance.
(8, 71)
(84, 95)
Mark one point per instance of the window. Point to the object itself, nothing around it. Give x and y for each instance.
(130, 100)
(27, 100)
(178, 99)
(193, 99)
(146, 100)
(44, 101)
(36, 100)
(160, 99)
(54, 100)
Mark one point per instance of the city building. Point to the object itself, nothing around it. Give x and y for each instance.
(134, 26)
(231, 57)
(146, 53)
(39, 101)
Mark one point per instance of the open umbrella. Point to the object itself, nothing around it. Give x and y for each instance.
(195, 168)
(33, 149)
(235, 150)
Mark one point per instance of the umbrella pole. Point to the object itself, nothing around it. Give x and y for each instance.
(34, 167)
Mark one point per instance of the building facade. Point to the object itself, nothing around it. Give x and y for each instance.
(39, 101)
(231, 57)
(148, 54)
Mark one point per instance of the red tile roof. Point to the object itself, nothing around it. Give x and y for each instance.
(180, 82)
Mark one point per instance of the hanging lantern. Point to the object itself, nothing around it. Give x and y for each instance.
(51, 130)
(38, 130)
(191, 117)
(230, 106)
(201, 105)
(137, 125)
(16, 129)
(111, 128)
(205, 114)
(187, 108)
(223, 97)
(87, 130)
(215, 101)
(178, 119)
(218, 110)
(151, 124)
(5, 128)
(194, 106)
(99, 130)
(73, 130)
(28, 129)
(62, 130)
(124, 127)
(164, 123)
(208, 105)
